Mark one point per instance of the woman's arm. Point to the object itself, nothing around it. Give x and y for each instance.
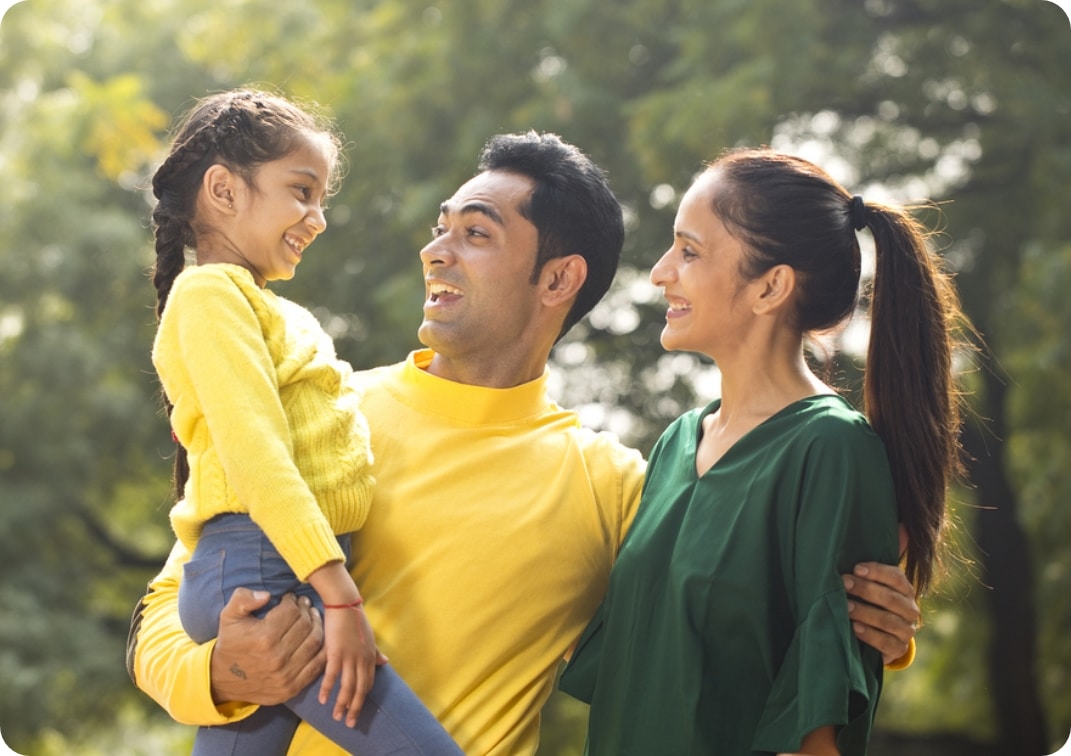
(821, 742)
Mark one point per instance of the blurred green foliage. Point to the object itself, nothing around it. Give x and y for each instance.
(967, 102)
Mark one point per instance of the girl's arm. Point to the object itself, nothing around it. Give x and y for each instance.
(215, 364)
(348, 641)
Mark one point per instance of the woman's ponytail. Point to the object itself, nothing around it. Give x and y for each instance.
(909, 389)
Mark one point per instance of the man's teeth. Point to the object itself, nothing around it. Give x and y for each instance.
(437, 290)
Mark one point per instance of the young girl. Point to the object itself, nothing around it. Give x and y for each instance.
(272, 465)
(725, 629)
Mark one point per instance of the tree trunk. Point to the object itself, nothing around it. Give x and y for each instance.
(1008, 578)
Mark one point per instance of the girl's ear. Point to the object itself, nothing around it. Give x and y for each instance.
(775, 288)
(220, 186)
(561, 279)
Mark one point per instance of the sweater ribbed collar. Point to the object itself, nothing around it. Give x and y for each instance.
(465, 404)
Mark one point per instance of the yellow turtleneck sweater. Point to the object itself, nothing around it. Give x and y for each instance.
(495, 522)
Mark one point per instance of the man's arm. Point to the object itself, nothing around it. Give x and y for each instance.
(270, 660)
(258, 661)
(887, 616)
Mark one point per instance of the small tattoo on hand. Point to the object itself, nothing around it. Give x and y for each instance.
(237, 671)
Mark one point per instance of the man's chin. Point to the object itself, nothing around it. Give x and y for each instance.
(431, 334)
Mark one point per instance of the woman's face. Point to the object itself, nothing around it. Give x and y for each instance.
(700, 277)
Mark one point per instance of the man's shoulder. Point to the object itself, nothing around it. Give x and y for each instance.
(606, 455)
(378, 375)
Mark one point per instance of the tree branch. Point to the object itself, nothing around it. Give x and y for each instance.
(124, 554)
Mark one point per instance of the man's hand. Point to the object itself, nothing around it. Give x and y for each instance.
(266, 661)
(889, 617)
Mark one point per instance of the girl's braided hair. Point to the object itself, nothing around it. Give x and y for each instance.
(242, 130)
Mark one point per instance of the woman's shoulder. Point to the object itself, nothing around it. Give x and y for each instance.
(688, 422)
(828, 414)
(830, 426)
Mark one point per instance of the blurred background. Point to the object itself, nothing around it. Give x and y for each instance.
(966, 102)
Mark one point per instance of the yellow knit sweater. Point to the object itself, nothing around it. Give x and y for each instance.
(266, 413)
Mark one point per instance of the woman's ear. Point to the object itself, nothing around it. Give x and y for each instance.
(220, 187)
(774, 289)
(562, 278)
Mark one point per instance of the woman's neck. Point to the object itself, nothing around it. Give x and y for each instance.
(753, 391)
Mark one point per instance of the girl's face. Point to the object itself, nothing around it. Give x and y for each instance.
(700, 277)
(280, 213)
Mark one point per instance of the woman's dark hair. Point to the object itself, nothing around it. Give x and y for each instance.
(242, 130)
(572, 207)
(788, 211)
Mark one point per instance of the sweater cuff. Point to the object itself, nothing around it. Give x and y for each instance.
(308, 548)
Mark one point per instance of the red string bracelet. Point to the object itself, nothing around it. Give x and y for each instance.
(354, 605)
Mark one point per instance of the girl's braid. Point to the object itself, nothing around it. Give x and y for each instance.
(175, 187)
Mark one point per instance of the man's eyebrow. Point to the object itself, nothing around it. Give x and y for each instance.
(474, 207)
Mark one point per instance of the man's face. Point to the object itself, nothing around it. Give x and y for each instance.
(477, 272)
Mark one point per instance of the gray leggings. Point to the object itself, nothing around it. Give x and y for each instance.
(232, 552)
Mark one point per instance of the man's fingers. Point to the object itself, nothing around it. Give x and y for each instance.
(300, 626)
(886, 632)
(879, 619)
(886, 574)
(244, 602)
(897, 603)
(890, 646)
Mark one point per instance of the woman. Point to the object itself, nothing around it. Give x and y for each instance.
(724, 630)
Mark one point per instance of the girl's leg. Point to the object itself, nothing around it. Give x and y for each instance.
(229, 555)
(233, 552)
(392, 721)
(267, 731)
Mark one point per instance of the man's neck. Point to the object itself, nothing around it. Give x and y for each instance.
(501, 373)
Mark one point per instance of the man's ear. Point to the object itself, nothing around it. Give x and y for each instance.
(561, 279)
(220, 187)
(774, 289)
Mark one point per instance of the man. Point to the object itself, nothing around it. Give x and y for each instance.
(496, 517)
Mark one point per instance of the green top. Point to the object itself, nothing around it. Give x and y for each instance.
(725, 629)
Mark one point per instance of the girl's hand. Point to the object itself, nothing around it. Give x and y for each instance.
(352, 659)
